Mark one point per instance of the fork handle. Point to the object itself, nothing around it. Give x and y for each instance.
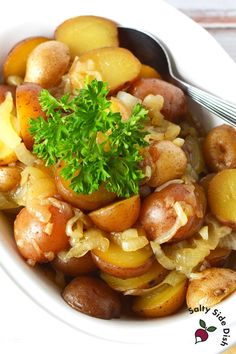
(222, 108)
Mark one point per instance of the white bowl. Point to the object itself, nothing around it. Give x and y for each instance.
(200, 60)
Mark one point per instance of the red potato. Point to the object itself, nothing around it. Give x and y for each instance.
(158, 215)
(86, 202)
(175, 103)
(166, 160)
(75, 266)
(219, 148)
(7, 88)
(33, 242)
(93, 297)
(118, 216)
(28, 106)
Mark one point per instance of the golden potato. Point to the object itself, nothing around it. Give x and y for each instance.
(123, 264)
(47, 63)
(84, 33)
(83, 201)
(161, 301)
(175, 103)
(75, 266)
(118, 216)
(118, 66)
(15, 62)
(212, 286)
(28, 106)
(10, 177)
(148, 72)
(93, 297)
(166, 160)
(222, 196)
(219, 148)
(152, 277)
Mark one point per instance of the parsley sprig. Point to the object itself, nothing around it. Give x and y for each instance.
(70, 134)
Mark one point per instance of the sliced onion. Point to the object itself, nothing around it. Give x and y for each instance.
(172, 279)
(129, 100)
(130, 240)
(203, 232)
(24, 155)
(166, 184)
(229, 242)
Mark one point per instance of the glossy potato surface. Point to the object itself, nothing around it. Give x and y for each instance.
(161, 302)
(47, 63)
(219, 148)
(157, 214)
(15, 62)
(222, 196)
(33, 242)
(10, 177)
(84, 33)
(118, 66)
(123, 264)
(175, 104)
(118, 216)
(28, 106)
(75, 266)
(93, 297)
(166, 160)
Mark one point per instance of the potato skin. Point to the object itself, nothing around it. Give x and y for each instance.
(118, 216)
(7, 88)
(93, 297)
(175, 103)
(213, 285)
(15, 62)
(157, 215)
(166, 160)
(170, 303)
(28, 229)
(218, 257)
(219, 148)
(10, 177)
(75, 266)
(28, 106)
(85, 33)
(47, 63)
(83, 201)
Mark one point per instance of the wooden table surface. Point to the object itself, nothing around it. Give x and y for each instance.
(217, 16)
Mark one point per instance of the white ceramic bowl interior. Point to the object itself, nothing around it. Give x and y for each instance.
(201, 61)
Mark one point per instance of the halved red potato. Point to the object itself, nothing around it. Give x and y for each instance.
(222, 196)
(162, 301)
(123, 264)
(152, 277)
(118, 216)
(15, 62)
(175, 103)
(28, 106)
(117, 66)
(84, 201)
(75, 266)
(158, 214)
(84, 33)
(34, 241)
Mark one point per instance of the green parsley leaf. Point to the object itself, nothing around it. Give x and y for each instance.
(70, 134)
